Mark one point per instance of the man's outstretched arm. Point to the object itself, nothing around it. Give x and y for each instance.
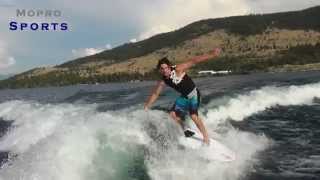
(154, 95)
(198, 59)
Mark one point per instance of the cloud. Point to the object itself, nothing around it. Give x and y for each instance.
(5, 59)
(174, 14)
(159, 16)
(152, 17)
(133, 40)
(6, 62)
(7, 3)
(82, 52)
(271, 6)
(108, 46)
(107, 10)
(156, 29)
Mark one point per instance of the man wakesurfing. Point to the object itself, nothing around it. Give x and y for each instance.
(189, 101)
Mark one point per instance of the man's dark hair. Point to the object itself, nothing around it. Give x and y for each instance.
(164, 60)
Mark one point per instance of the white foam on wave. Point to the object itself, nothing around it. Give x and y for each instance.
(189, 165)
(75, 142)
(241, 106)
(61, 142)
(245, 144)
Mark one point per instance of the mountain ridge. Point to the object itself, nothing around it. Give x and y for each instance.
(246, 40)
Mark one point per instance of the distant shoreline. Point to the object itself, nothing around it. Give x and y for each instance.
(196, 78)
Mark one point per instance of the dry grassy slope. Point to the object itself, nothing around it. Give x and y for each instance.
(261, 45)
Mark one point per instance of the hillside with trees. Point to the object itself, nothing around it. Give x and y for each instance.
(287, 41)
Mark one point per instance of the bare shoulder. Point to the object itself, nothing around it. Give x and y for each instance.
(181, 68)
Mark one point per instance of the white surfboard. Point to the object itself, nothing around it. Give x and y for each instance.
(216, 151)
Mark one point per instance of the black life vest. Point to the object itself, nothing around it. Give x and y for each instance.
(183, 85)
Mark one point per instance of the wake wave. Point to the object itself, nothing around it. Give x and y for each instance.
(76, 142)
(242, 106)
(63, 141)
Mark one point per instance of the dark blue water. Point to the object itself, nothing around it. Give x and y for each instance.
(275, 116)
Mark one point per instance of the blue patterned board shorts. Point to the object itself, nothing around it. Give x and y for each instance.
(184, 105)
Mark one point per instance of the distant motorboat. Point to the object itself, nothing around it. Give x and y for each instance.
(214, 72)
